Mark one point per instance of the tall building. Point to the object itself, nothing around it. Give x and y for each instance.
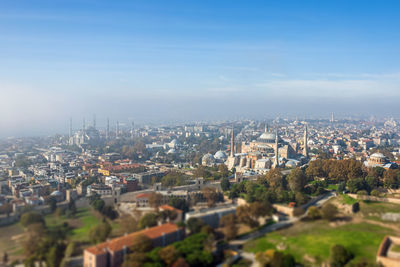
(232, 143)
(117, 130)
(276, 160)
(305, 151)
(108, 129)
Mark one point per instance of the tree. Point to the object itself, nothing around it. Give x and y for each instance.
(339, 256)
(52, 202)
(180, 263)
(100, 232)
(275, 178)
(135, 259)
(194, 225)
(223, 169)
(128, 224)
(301, 199)
(71, 211)
(98, 204)
(329, 211)
(148, 220)
(390, 179)
(31, 218)
(35, 233)
(313, 213)
(155, 200)
(6, 209)
(355, 185)
(55, 255)
(228, 222)
(141, 243)
(297, 180)
(179, 203)
(70, 250)
(211, 195)
(168, 254)
(225, 184)
(5, 257)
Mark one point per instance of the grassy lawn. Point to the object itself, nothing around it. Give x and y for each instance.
(11, 237)
(84, 220)
(316, 238)
(345, 199)
(395, 248)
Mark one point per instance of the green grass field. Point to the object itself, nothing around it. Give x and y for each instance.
(84, 220)
(345, 199)
(316, 238)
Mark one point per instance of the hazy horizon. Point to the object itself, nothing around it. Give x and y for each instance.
(153, 61)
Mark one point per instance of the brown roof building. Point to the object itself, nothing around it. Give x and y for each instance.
(111, 253)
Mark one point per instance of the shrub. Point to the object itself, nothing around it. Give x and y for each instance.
(362, 193)
(329, 211)
(31, 218)
(339, 256)
(375, 193)
(355, 207)
(313, 213)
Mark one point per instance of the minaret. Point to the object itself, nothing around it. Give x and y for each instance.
(108, 129)
(132, 125)
(84, 130)
(94, 121)
(305, 151)
(232, 143)
(276, 161)
(117, 130)
(70, 128)
(266, 128)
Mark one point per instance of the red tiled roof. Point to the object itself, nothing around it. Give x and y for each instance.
(143, 195)
(168, 207)
(117, 244)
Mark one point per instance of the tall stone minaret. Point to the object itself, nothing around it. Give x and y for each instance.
(232, 143)
(108, 129)
(117, 130)
(84, 130)
(70, 128)
(132, 125)
(276, 161)
(305, 151)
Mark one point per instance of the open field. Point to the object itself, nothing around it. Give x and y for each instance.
(12, 236)
(314, 240)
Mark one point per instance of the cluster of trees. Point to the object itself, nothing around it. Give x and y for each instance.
(152, 219)
(174, 178)
(274, 187)
(45, 244)
(273, 258)
(193, 251)
(99, 233)
(99, 205)
(335, 170)
(215, 173)
(327, 212)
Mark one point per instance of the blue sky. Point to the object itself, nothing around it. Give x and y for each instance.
(194, 60)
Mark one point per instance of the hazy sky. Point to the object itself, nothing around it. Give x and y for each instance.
(182, 60)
